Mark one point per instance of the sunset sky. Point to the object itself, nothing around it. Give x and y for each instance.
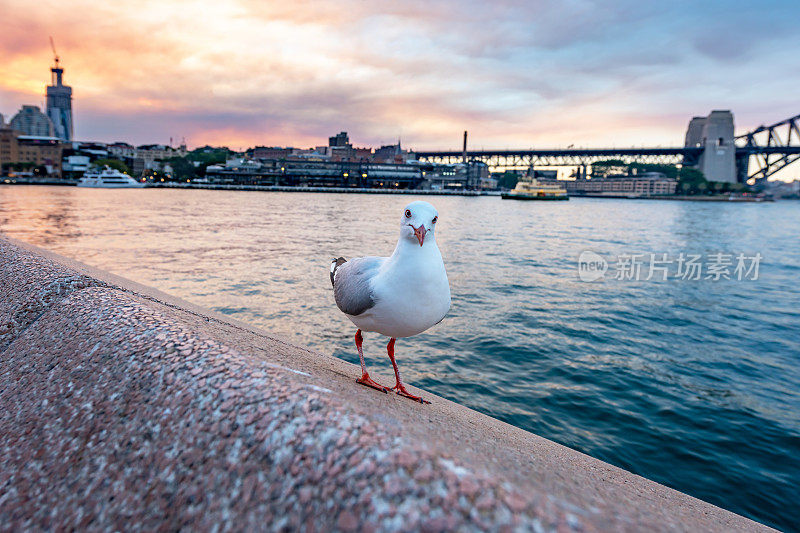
(515, 74)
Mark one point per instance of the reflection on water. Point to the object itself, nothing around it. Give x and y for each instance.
(693, 384)
(51, 225)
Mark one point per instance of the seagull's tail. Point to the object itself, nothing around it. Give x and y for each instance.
(336, 263)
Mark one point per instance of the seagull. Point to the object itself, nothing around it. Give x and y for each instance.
(398, 296)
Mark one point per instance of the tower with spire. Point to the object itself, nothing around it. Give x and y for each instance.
(59, 100)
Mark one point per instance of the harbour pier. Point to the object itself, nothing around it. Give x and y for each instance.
(124, 407)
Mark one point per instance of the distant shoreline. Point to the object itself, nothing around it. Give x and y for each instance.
(676, 197)
(274, 188)
(355, 190)
(346, 190)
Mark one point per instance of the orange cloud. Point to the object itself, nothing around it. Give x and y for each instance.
(292, 73)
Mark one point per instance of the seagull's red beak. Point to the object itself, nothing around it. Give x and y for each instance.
(419, 233)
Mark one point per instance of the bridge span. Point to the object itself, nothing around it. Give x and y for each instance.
(710, 146)
(551, 157)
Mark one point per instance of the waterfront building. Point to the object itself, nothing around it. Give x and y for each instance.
(641, 185)
(241, 171)
(147, 152)
(488, 182)
(271, 152)
(362, 154)
(8, 147)
(42, 151)
(75, 165)
(313, 171)
(340, 140)
(144, 157)
(457, 176)
(388, 153)
(477, 175)
(443, 177)
(157, 152)
(122, 150)
(341, 149)
(31, 121)
(392, 153)
(29, 149)
(94, 150)
(340, 153)
(59, 103)
(77, 157)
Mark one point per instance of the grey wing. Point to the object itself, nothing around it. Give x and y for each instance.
(352, 288)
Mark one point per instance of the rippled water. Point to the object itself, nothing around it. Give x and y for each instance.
(691, 383)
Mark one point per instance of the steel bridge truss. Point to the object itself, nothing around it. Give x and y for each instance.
(770, 147)
(524, 159)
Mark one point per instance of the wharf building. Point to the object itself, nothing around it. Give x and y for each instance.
(21, 154)
(643, 185)
(324, 172)
(340, 164)
(270, 152)
(315, 172)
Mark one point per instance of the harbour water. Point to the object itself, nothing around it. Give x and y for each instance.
(691, 383)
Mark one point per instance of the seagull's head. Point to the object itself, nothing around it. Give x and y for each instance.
(418, 220)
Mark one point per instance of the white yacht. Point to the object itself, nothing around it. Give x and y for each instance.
(108, 178)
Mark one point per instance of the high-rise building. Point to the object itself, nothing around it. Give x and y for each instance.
(59, 103)
(31, 121)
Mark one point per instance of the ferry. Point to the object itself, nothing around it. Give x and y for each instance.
(531, 189)
(108, 178)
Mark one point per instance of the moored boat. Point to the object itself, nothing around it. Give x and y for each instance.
(531, 189)
(108, 178)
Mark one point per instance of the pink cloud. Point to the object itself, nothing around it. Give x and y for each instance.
(243, 73)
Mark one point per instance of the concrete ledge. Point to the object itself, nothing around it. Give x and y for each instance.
(123, 408)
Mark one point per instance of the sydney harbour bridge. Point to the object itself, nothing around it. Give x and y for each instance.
(710, 146)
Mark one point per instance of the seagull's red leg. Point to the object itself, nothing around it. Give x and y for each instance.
(365, 379)
(399, 387)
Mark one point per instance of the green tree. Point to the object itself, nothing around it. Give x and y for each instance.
(670, 171)
(115, 164)
(21, 166)
(508, 180)
(182, 168)
(691, 181)
(209, 155)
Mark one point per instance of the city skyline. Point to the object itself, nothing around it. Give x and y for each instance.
(244, 74)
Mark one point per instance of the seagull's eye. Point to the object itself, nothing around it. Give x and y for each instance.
(435, 219)
(408, 213)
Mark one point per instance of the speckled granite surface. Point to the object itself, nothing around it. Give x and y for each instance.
(123, 408)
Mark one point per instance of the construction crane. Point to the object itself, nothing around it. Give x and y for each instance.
(55, 54)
